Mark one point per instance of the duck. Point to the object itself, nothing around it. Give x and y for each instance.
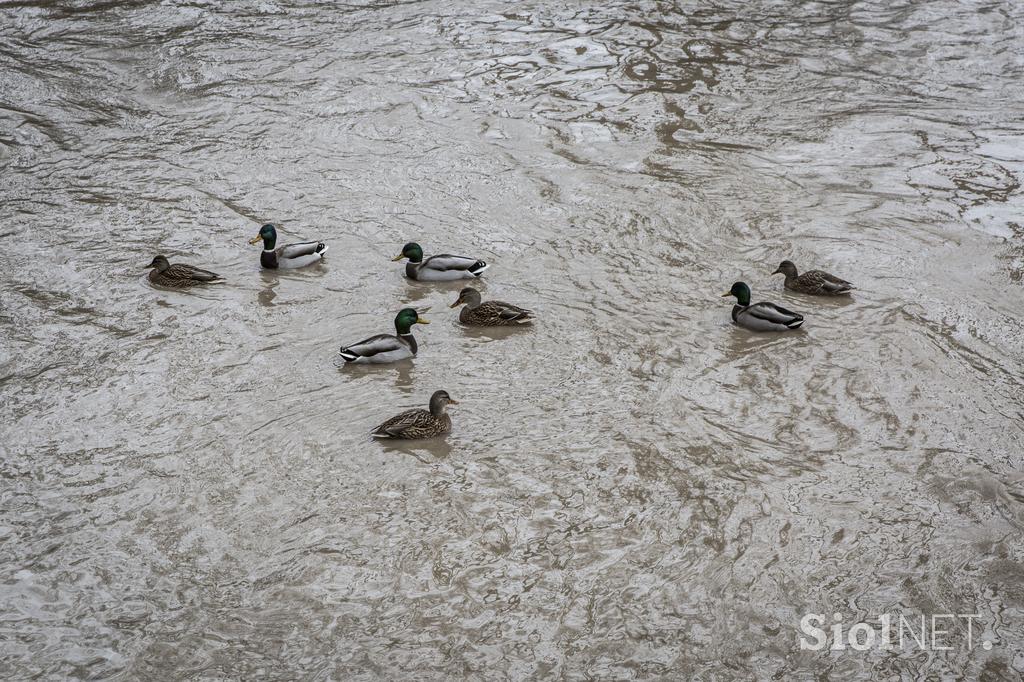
(419, 423)
(489, 313)
(761, 317)
(180, 275)
(813, 282)
(384, 348)
(440, 268)
(289, 256)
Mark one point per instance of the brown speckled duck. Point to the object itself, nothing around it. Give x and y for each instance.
(180, 275)
(814, 282)
(479, 313)
(419, 423)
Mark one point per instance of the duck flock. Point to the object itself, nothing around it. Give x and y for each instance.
(386, 348)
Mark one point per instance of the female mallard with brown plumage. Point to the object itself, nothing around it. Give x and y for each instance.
(814, 282)
(419, 423)
(180, 275)
(479, 313)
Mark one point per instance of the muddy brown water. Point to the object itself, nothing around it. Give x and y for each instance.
(634, 489)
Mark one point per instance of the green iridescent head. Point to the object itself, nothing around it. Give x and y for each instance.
(269, 236)
(741, 291)
(412, 251)
(406, 318)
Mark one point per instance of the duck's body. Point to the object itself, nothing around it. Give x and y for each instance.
(766, 317)
(813, 282)
(440, 268)
(477, 313)
(761, 317)
(419, 423)
(385, 348)
(293, 256)
(180, 275)
(289, 256)
(381, 349)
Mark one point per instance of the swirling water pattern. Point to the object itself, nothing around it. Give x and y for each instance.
(635, 489)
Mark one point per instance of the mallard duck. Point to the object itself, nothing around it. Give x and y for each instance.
(489, 313)
(288, 256)
(440, 268)
(420, 423)
(179, 274)
(387, 347)
(760, 317)
(814, 282)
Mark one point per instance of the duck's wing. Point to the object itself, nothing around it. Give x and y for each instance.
(827, 283)
(184, 271)
(507, 311)
(445, 262)
(399, 424)
(774, 314)
(375, 345)
(835, 284)
(301, 249)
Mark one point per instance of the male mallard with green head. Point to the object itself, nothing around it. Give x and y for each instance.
(479, 313)
(760, 317)
(180, 275)
(384, 348)
(290, 256)
(420, 423)
(814, 282)
(441, 268)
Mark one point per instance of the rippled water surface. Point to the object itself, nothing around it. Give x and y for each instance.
(634, 489)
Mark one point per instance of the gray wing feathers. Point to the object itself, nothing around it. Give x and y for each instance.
(769, 312)
(382, 343)
(301, 249)
(446, 261)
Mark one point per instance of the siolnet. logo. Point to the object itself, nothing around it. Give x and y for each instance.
(935, 632)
